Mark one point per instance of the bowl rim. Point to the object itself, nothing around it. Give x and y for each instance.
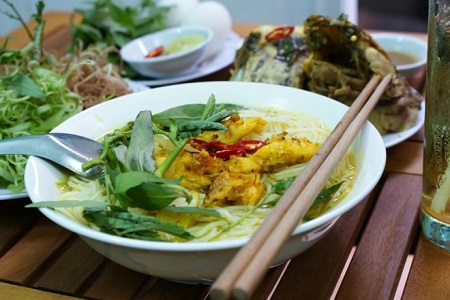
(179, 29)
(329, 216)
(400, 36)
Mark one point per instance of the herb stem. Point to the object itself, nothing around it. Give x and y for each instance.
(171, 158)
(17, 17)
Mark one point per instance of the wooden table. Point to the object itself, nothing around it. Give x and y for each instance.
(375, 251)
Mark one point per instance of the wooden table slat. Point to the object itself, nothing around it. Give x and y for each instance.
(78, 262)
(321, 266)
(30, 253)
(429, 277)
(115, 281)
(378, 262)
(164, 289)
(405, 158)
(14, 222)
(12, 292)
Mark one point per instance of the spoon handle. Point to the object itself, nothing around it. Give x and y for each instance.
(26, 145)
(67, 150)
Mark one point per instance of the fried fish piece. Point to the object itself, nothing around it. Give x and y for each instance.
(237, 128)
(283, 153)
(235, 189)
(342, 61)
(272, 60)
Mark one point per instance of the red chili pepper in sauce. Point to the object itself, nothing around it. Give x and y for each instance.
(222, 150)
(155, 52)
(279, 33)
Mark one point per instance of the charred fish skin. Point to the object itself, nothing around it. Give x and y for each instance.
(278, 61)
(343, 59)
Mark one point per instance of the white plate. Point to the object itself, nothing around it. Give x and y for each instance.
(219, 61)
(392, 139)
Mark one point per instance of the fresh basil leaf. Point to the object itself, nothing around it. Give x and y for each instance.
(195, 128)
(124, 181)
(23, 85)
(327, 193)
(179, 115)
(209, 107)
(124, 16)
(122, 223)
(90, 31)
(140, 151)
(145, 190)
(120, 153)
(202, 125)
(67, 203)
(194, 210)
(150, 196)
(216, 117)
(282, 186)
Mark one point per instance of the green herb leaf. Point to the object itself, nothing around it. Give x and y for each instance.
(194, 210)
(185, 114)
(281, 187)
(146, 190)
(107, 24)
(140, 150)
(23, 85)
(67, 203)
(327, 193)
(179, 115)
(122, 223)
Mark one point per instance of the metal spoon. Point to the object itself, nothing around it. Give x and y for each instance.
(67, 150)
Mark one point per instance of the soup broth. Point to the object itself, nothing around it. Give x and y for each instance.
(400, 58)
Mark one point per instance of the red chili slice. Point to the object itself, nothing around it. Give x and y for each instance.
(222, 150)
(155, 52)
(279, 33)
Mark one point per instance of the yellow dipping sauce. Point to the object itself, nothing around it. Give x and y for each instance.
(183, 43)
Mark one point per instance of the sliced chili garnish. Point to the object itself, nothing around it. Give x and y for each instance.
(279, 33)
(155, 52)
(222, 150)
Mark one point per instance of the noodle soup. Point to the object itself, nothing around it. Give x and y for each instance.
(197, 261)
(239, 188)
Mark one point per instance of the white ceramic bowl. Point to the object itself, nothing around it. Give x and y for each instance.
(169, 65)
(403, 44)
(202, 262)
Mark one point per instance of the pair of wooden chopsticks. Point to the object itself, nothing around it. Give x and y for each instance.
(243, 274)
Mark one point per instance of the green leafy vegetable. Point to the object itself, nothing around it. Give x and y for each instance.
(327, 193)
(107, 24)
(117, 221)
(145, 190)
(23, 85)
(194, 210)
(140, 150)
(33, 99)
(324, 195)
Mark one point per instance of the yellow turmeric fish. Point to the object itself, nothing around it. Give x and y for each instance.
(230, 173)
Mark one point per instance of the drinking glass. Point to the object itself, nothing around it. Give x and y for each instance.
(435, 206)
